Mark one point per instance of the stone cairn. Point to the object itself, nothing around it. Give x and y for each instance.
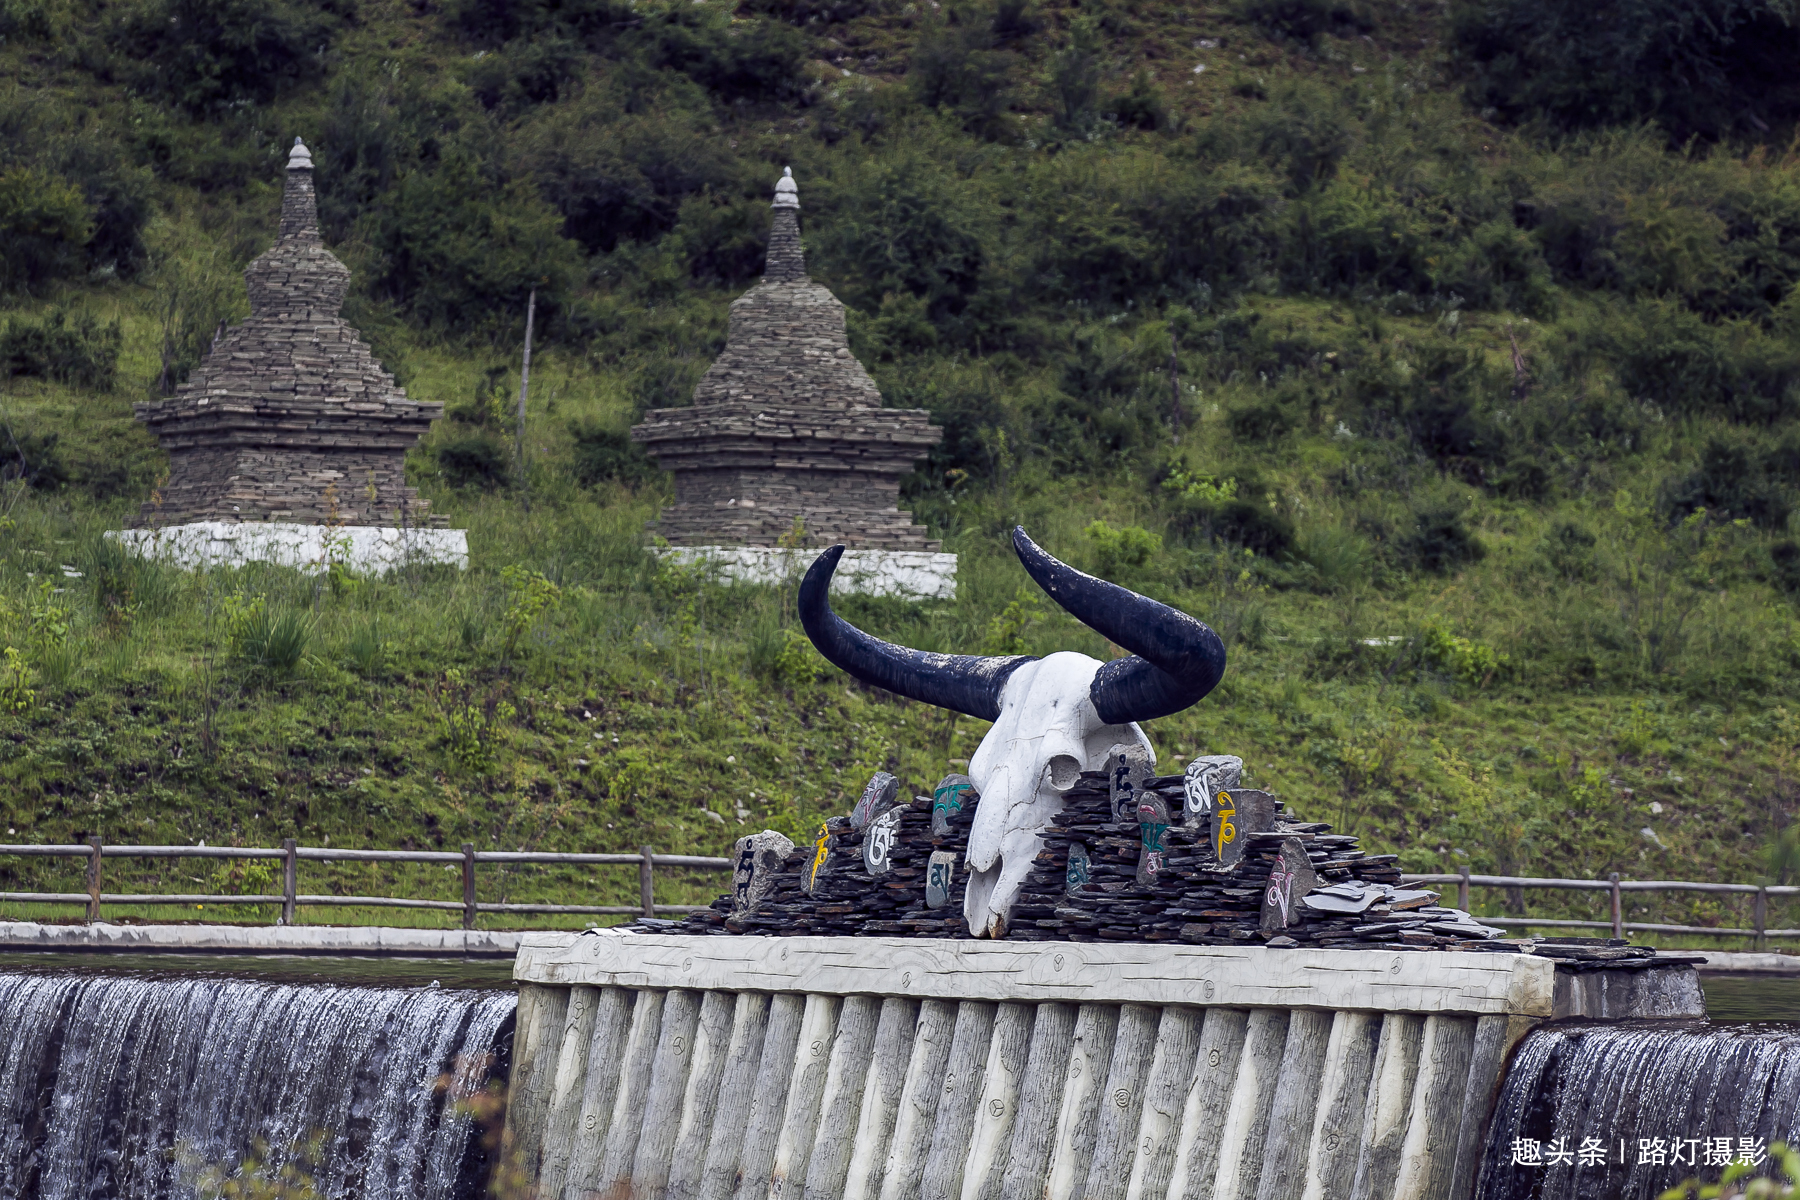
(289, 417)
(786, 426)
(1114, 866)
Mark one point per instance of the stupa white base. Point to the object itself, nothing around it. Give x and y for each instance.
(365, 549)
(908, 574)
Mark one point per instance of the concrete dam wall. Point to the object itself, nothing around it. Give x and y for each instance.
(652, 1065)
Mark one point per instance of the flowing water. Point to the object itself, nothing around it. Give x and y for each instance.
(1627, 1109)
(130, 1085)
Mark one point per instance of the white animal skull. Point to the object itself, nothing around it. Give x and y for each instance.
(1048, 733)
(1053, 717)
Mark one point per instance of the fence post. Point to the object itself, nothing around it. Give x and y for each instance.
(1462, 890)
(468, 885)
(1618, 908)
(1761, 911)
(93, 880)
(290, 878)
(647, 882)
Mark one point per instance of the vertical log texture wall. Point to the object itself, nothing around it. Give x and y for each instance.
(652, 1066)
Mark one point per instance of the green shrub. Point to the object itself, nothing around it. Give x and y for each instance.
(1303, 20)
(32, 457)
(603, 453)
(1439, 541)
(526, 72)
(1466, 660)
(1144, 106)
(45, 224)
(958, 69)
(76, 350)
(1710, 68)
(1729, 482)
(1266, 421)
(1677, 359)
(473, 459)
(460, 253)
(25, 21)
(1118, 551)
(206, 55)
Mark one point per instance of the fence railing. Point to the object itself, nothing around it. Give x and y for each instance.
(1616, 889)
(290, 854)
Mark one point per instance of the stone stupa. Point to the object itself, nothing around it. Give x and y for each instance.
(787, 445)
(289, 434)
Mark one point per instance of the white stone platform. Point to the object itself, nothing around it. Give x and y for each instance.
(908, 574)
(370, 550)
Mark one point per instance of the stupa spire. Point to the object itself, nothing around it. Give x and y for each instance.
(297, 274)
(299, 206)
(786, 262)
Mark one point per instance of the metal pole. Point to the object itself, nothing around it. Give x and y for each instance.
(525, 386)
(1762, 916)
(93, 880)
(468, 885)
(1618, 907)
(290, 878)
(1462, 890)
(647, 883)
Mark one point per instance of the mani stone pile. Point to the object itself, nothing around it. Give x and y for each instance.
(1130, 857)
(786, 427)
(289, 417)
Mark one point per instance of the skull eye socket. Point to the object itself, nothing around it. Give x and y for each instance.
(1064, 770)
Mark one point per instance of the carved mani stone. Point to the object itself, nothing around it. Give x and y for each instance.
(1151, 852)
(820, 862)
(1131, 773)
(1081, 868)
(1290, 879)
(786, 426)
(947, 799)
(879, 838)
(1207, 775)
(1238, 812)
(940, 874)
(757, 862)
(877, 796)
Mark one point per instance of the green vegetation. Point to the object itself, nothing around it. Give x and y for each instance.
(1448, 363)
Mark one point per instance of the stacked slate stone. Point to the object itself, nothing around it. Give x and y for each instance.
(1191, 896)
(846, 898)
(1197, 900)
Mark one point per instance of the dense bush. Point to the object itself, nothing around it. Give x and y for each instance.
(460, 252)
(205, 55)
(1711, 68)
(77, 350)
(45, 224)
(32, 457)
(473, 458)
(603, 453)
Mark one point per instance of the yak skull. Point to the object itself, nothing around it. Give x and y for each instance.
(1053, 717)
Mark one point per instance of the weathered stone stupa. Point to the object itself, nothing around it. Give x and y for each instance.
(787, 432)
(289, 431)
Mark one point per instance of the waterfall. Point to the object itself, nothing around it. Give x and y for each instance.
(1621, 1088)
(115, 1086)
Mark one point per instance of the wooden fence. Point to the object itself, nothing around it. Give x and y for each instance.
(291, 899)
(291, 855)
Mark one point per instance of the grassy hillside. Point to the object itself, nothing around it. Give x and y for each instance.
(1447, 363)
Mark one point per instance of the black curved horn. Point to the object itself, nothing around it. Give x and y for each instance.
(968, 683)
(1175, 660)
